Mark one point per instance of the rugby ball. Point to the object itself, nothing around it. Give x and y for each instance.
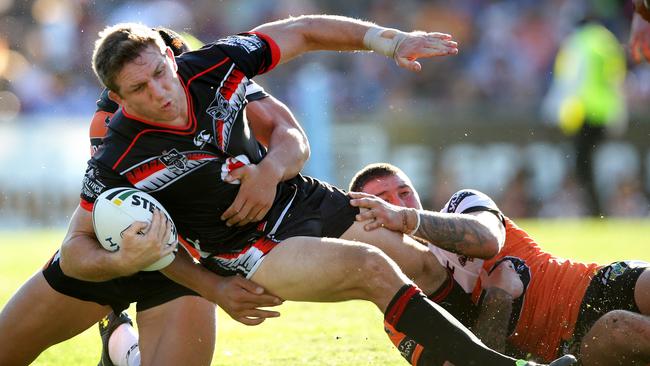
(114, 212)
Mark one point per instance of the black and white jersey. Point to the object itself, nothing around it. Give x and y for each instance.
(184, 167)
(465, 269)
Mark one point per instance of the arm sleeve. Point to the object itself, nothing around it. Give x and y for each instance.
(255, 91)
(98, 179)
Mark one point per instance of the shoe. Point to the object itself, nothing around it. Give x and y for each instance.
(566, 360)
(106, 327)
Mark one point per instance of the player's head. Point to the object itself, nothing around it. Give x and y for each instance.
(388, 182)
(120, 44)
(137, 67)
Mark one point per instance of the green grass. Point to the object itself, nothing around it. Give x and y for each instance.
(316, 334)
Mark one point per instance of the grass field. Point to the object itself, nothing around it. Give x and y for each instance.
(315, 334)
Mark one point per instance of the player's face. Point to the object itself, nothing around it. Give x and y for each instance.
(394, 189)
(149, 88)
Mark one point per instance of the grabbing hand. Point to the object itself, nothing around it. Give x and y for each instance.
(380, 213)
(504, 277)
(144, 243)
(243, 299)
(417, 45)
(255, 197)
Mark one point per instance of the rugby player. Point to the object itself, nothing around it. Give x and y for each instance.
(599, 312)
(165, 103)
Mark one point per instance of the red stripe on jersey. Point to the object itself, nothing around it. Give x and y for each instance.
(189, 248)
(394, 313)
(144, 171)
(263, 244)
(275, 52)
(206, 71)
(88, 206)
(231, 83)
(135, 139)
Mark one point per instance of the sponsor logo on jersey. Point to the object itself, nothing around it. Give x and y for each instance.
(174, 161)
(91, 186)
(249, 44)
(202, 138)
(463, 259)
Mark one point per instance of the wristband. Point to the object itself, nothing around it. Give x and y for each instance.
(377, 40)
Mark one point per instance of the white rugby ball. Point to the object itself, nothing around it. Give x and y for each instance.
(117, 208)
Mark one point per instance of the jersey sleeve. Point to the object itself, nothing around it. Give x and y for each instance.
(254, 91)
(253, 53)
(98, 179)
(469, 200)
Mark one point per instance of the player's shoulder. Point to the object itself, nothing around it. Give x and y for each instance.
(465, 200)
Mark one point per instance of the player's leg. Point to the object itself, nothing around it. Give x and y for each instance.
(38, 317)
(621, 336)
(327, 270)
(618, 338)
(178, 332)
(413, 258)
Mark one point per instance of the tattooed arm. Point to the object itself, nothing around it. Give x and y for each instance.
(494, 315)
(478, 234)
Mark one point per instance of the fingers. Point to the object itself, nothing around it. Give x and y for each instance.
(365, 202)
(360, 195)
(254, 293)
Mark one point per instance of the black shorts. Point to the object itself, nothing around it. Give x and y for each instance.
(318, 209)
(146, 289)
(612, 288)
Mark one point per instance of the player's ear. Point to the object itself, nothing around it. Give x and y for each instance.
(170, 54)
(115, 97)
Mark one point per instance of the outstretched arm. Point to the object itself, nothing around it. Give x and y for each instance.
(479, 234)
(296, 36)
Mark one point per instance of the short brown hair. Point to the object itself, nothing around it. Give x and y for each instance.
(370, 172)
(118, 45)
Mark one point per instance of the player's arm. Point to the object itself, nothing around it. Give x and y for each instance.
(288, 150)
(478, 234)
(296, 36)
(83, 258)
(242, 299)
(500, 288)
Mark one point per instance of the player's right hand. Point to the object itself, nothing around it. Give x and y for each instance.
(423, 45)
(243, 300)
(143, 244)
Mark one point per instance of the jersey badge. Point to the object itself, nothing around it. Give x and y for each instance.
(174, 161)
(202, 138)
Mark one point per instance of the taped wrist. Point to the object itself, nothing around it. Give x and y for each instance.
(383, 40)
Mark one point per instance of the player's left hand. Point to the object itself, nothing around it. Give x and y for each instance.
(378, 213)
(640, 39)
(255, 197)
(423, 45)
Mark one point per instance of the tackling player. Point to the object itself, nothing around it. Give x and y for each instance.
(599, 312)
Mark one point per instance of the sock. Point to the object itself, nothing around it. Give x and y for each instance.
(443, 337)
(123, 346)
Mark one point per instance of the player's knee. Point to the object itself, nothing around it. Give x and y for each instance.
(615, 327)
(372, 268)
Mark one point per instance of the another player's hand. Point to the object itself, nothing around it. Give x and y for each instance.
(423, 45)
(378, 212)
(144, 243)
(255, 197)
(504, 277)
(640, 39)
(243, 299)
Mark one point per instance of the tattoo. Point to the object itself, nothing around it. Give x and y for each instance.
(494, 315)
(457, 233)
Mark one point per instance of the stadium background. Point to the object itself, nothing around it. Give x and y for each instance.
(468, 121)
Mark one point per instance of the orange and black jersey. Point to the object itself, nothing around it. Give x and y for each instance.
(184, 167)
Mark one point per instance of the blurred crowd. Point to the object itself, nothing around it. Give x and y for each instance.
(507, 49)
